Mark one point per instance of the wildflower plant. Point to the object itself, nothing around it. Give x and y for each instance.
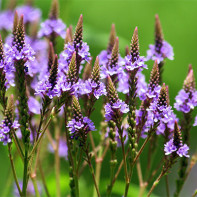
(55, 95)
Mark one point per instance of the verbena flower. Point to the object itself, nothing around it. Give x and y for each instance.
(114, 66)
(123, 85)
(79, 126)
(93, 85)
(115, 107)
(66, 55)
(161, 49)
(186, 99)
(8, 125)
(52, 26)
(48, 86)
(176, 145)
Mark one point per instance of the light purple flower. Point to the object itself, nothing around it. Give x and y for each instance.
(51, 26)
(112, 109)
(166, 52)
(137, 64)
(186, 101)
(5, 129)
(169, 148)
(81, 126)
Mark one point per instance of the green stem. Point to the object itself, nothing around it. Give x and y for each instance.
(40, 138)
(13, 169)
(25, 172)
(57, 162)
(43, 179)
(92, 171)
(35, 186)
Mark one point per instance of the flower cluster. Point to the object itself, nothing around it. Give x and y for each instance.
(116, 107)
(79, 126)
(186, 99)
(176, 145)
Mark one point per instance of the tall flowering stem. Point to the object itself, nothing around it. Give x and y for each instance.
(114, 109)
(158, 44)
(20, 80)
(3, 98)
(189, 90)
(134, 57)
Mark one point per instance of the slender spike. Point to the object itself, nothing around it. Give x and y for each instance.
(54, 72)
(177, 141)
(15, 25)
(135, 45)
(51, 55)
(96, 71)
(158, 34)
(72, 70)
(162, 100)
(54, 10)
(154, 76)
(112, 38)
(87, 70)
(111, 91)
(79, 32)
(77, 114)
(189, 83)
(168, 97)
(20, 34)
(115, 54)
(127, 51)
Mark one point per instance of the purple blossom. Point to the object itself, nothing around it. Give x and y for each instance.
(26, 53)
(5, 130)
(90, 87)
(62, 149)
(123, 85)
(30, 13)
(169, 148)
(112, 109)
(63, 85)
(169, 125)
(67, 54)
(51, 26)
(80, 127)
(137, 64)
(186, 101)
(45, 88)
(165, 52)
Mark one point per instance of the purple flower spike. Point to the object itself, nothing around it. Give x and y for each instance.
(51, 26)
(176, 145)
(166, 52)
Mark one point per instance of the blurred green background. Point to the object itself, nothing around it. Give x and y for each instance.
(178, 19)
